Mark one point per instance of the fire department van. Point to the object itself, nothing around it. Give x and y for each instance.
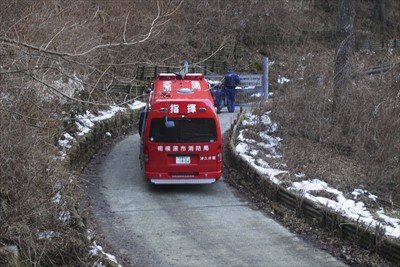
(181, 140)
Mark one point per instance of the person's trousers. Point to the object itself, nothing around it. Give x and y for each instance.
(230, 99)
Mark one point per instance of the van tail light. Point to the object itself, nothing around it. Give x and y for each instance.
(219, 154)
(146, 155)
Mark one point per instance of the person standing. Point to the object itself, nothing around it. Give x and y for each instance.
(231, 80)
(217, 93)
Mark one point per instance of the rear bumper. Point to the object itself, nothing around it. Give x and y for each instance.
(183, 178)
(183, 181)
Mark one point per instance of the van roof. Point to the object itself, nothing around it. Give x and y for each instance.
(171, 86)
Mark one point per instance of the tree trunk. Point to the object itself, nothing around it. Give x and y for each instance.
(379, 16)
(379, 11)
(344, 48)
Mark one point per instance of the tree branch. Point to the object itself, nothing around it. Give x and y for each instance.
(150, 32)
(63, 94)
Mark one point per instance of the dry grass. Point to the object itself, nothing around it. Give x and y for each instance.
(356, 147)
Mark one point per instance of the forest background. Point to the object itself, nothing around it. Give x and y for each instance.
(59, 58)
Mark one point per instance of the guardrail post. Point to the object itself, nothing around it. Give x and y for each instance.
(265, 79)
(186, 66)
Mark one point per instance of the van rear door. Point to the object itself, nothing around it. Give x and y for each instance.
(190, 149)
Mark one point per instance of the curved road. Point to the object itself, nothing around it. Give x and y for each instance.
(196, 225)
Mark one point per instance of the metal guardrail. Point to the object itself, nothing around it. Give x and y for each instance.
(246, 80)
(249, 90)
(208, 67)
(126, 89)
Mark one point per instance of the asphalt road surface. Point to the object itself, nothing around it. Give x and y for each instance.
(196, 225)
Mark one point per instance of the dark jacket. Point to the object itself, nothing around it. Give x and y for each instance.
(231, 79)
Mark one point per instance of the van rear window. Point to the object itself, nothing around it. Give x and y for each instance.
(184, 131)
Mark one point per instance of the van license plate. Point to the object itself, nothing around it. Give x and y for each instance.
(182, 160)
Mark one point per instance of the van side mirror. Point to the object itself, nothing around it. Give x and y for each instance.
(169, 124)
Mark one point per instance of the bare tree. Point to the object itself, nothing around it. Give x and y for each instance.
(48, 48)
(380, 16)
(343, 53)
(379, 11)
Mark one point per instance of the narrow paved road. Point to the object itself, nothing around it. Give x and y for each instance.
(206, 225)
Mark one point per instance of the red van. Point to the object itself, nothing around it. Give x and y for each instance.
(181, 140)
